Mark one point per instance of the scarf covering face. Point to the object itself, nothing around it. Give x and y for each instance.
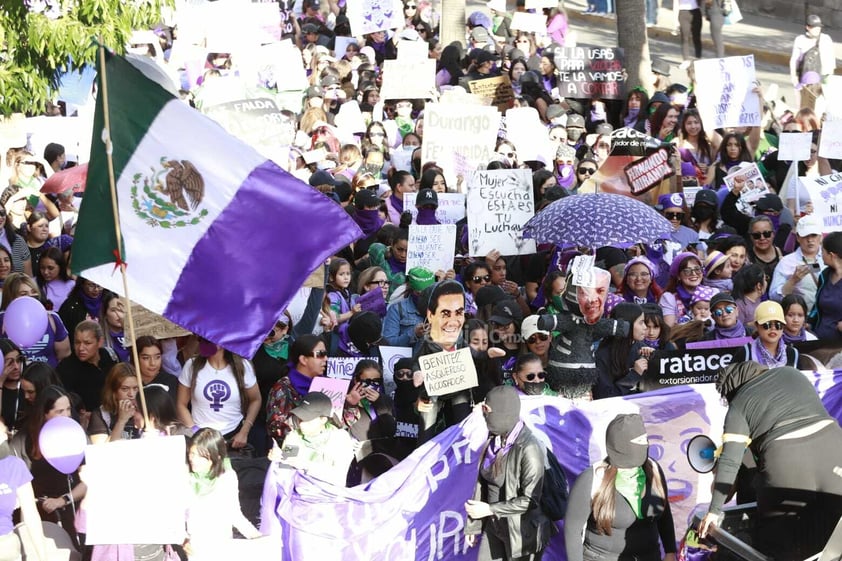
(92, 305)
(426, 217)
(369, 221)
(279, 350)
(733, 376)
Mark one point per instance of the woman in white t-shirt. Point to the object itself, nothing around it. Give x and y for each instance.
(221, 390)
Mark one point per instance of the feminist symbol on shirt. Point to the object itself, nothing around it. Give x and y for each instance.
(217, 391)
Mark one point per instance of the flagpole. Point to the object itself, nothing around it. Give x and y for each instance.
(112, 184)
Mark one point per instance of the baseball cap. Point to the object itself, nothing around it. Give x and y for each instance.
(489, 294)
(529, 327)
(721, 297)
(322, 177)
(420, 278)
(706, 196)
(485, 56)
(366, 198)
(553, 111)
(574, 120)
(814, 21)
(604, 128)
(769, 202)
(505, 312)
(309, 28)
(809, 225)
(768, 311)
(426, 197)
(626, 441)
(480, 35)
(315, 91)
(661, 67)
(314, 404)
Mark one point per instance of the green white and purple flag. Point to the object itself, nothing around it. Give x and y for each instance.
(216, 238)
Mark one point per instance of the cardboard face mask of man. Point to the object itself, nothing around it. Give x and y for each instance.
(591, 292)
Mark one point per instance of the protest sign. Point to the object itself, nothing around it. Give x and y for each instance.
(350, 118)
(830, 143)
(150, 323)
(826, 195)
(591, 72)
(431, 247)
(105, 475)
(500, 202)
(725, 97)
(335, 388)
(450, 211)
(74, 133)
(276, 65)
(373, 301)
(257, 122)
(231, 26)
(447, 372)
(413, 51)
(13, 131)
(533, 23)
(525, 130)
(497, 89)
(648, 172)
(369, 16)
(408, 81)
(343, 366)
(390, 356)
(676, 368)
(539, 4)
(690, 193)
(459, 128)
(316, 278)
(748, 181)
(795, 146)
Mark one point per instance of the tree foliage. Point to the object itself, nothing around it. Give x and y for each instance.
(38, 41)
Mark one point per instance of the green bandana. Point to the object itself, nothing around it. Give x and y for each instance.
(630, 483)
(203, 483)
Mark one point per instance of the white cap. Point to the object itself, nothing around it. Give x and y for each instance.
(529, 327)
(809, 225)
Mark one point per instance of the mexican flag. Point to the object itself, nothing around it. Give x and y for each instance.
(216, 238)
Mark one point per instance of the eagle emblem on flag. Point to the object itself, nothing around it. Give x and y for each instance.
(171, 196)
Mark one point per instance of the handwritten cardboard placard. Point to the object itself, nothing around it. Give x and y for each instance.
(335, 388)
(368, 16)
(591, 72)
(391, 355)
(459, 128)
(105, 475)
(432, 247)
(450, 211)
(795, 146)
(448, 372)
(533, 23)
(149, 323)
(408, 81)
(830, 143)
(725, 97)
(497, 89)
(342, 366)
(500, 202)
(826, 196)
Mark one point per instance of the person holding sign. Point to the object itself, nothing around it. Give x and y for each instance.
(826, 315)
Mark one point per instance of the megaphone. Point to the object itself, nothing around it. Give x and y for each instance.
(701, 453)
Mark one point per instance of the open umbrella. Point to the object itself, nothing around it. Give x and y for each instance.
(595, 220)
(70, 178)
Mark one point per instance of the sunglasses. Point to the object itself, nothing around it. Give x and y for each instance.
(403, 375)
(765, 234)
(410, 7)
(723, 311)
(319, 354)
(373, 134)
(380, 283)
(485, 278)
(691, 271)
(674, 215)
(532, 375)
(589, 171)
(776, 325)
(535, 337)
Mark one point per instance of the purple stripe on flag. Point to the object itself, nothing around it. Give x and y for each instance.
(247, 267)
(719, 343)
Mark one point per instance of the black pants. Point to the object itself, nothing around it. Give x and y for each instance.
(799, 500)
(690, 25)
(491, 548)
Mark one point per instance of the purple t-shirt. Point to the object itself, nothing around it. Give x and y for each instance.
(13, 475)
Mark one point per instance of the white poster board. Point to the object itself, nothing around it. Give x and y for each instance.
(432, 247)
(450, 211)
(447, 372)
(391, 355)
(830, 143)
(724, 93)
(794, 146)
(342, 366)
(826, 196)
(500, 202)
(751, 186)
(368, 16)
(408, 81)
(413, 51)
(459, 128)
(533, 23)
(107, 474)
(525, 130)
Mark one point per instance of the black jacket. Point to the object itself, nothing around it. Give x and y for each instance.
(518, 519)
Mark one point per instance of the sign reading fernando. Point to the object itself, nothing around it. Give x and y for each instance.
(591, 73)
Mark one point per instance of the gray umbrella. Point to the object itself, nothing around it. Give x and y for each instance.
(597, 219)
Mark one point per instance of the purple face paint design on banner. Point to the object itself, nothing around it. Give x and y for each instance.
(217, 391)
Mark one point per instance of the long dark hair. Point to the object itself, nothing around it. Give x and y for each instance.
(237, 366)
(746, 279)
(161, 407)
(57, 255)
(745, 155)
(602, 504)
(303, 346)
(44, 403)
(210, 444)
(703, 142)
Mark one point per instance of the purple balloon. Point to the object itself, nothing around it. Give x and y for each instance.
(62, 442)
(25, 321)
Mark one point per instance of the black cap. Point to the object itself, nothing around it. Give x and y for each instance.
(661, 67)
(309, 28)
(489, 294)
(485, 56)
(505, 312)
(343, 191)
(366, 198)
(769, 202)
(322, 177)
(574, 120)
(553, 111)
(329, 80)
(426, 197)
(315, 91)
(626, 441)
(706, 196)
(721, 297)
(314, 404)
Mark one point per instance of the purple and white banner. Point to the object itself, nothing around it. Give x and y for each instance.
(416, 510)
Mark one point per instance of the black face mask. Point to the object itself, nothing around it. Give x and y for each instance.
(405, 394)
(702, 212)
(533, 388)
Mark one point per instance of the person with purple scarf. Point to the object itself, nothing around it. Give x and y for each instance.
(401, 182)
(307, 360)
(368, 218)
(726, 319)
(768, 347)
(427, 202)
(84, 302)
(685, 274)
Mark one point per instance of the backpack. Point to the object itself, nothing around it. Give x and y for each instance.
(811, 61)
(555, 492)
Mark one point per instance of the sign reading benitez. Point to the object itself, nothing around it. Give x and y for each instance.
(676, 368)
(448, 372)
(591, 72)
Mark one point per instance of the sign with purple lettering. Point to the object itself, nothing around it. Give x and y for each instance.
(591, 72)
(826, 196)
(335, 388)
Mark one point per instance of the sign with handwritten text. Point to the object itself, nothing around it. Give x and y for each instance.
(497, 89)
(408, 81)
(450, 211)
(342, 366)
(826, 196)
(830, 144)
(796, 146)
(725, 97)
(335, 388)
(370, 16)
(591, 72)
(448, 372)
(500, 202)
(432, 247)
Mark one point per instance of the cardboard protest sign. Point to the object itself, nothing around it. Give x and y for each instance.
(343, 366)
(676, 368)
(591, 72)
(830, 142)
(335, 388)
(795, 146)
(316, 278)
(413, 51)
(408, 81)
(150, 323)
(432, 247)
(826, 196)
(500, 202)
(341, 46)
(392, 355)
(649, 171)
(74, 133)
(276, 65)
(105, 475)
(459, 128)
(450, 211)
(231, 26)
(257, 122)
(725, 97)
(368, 16)
(497, 89)
(749, 181)
(76, 85)
(448, 372)
(525, 130)
(539, 4)
(533, 23)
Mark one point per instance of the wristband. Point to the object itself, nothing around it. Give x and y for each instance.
(195, 429)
